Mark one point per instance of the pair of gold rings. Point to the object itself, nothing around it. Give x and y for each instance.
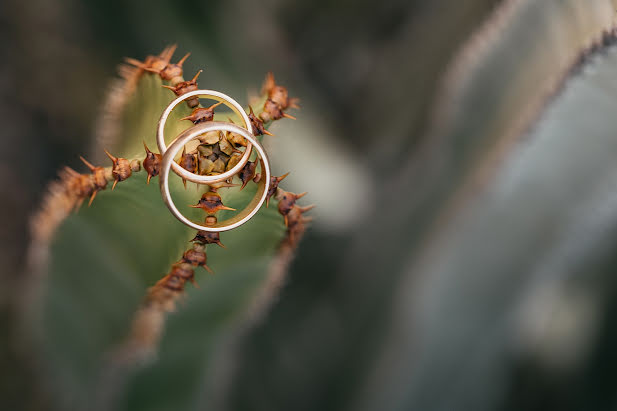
(169, 153)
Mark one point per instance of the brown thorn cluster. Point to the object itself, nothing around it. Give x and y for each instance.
(258, 124)
(184, 87)
(207, 237)
(277, 102)
(211, 202)
(122, 168)
(173, 72)
(247, 173)
(196, 256)
(152, 163)
(80, 185)
(188, 162)
(99, 182)
(161, 65)
(201, 115)
(154, 64)
(274, 184)
(287, 201)
(296, 222)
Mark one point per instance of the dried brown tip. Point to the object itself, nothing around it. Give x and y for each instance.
(194, 79)
(111, 157)
(215, 105)
(135, 62)
(289, 116)
(183, 59)
(87, 163)
(92, 197)
(306, 208)
(268, 84)
(168, 52)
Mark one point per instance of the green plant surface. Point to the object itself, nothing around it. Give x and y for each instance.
(496, 88)
(104, 257)
(498, 283)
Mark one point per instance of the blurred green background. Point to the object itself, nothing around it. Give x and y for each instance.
(367, 75)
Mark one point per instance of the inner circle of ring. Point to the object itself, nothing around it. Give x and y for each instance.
(214, 95)
(192, 133)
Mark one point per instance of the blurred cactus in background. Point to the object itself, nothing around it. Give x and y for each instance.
(462, 157)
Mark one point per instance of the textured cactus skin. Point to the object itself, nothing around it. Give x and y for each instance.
(125, 239)
(443, 201)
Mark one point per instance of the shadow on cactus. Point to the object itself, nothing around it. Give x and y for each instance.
(103, 238)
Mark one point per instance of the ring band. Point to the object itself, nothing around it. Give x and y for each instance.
(262, 186)
(229, 102)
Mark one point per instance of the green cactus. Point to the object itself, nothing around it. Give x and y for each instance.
(126, 240)
(498, 210)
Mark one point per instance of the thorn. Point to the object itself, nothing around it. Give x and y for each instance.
(208, 269)
(168, 52)
(192, 280)
(111, 157)
(90, 166)
(194, 206)
(306, 208)
(267, 202)
(134, 62)
(148, 180)
(196, 75)
(281, 178)
(78, 205)
(184, 182)
(168, 87)
(285, 218)
(146, 147)
(226, 208)
(92, 198)
(183, 59)
(187, 118)
(114, 186)
(72, 172)
(288, 116)
(268, 133)
(214, 105)
(301, 195)
(221, 244)
(151, 70)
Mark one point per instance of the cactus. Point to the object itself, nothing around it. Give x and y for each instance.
(493, 200)
(94, 260)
